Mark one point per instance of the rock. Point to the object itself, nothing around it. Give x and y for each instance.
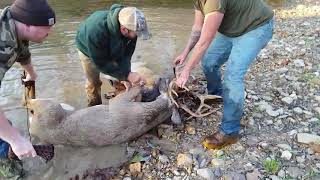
(184, 160)
(282, 173)
(300, 159)
(220, 153)
(234, 176)
(317, 110)
(286, 155)
(164, 159)
(284, 146)
(298, 63)
(273, 177)
(218, 172)
(317, 98)
(295, 172)
(297, 110)
(248, 167)
(288, 100)
(254, 175)
(191, 130)
(206, 173)
(126, 178)
(135, 168)
(217, 162)
(306, 138)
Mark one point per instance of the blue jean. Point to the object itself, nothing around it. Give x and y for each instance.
(238, 53)
(4, 147)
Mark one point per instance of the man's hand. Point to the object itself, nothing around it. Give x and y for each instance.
(31, 77)
(136, 79)
(180, 59)
(22, 147)
(183, 77)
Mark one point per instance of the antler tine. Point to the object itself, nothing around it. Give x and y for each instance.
(170, 90)
(202, 101)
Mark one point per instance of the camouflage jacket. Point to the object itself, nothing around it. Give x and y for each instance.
(11, 49)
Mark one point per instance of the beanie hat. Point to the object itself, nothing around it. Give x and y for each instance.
(33, 12)
(134, 20)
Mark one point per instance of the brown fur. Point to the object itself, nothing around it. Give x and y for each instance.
(122, 120)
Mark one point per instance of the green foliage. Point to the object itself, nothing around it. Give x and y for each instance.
(310, 175)
(272, 166)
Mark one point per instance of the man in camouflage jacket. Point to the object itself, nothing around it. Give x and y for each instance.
(23, 21)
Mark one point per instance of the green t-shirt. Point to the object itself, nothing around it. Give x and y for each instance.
(240, 16)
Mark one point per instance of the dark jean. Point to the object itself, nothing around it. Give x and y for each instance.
(4, 147)
(238, 53)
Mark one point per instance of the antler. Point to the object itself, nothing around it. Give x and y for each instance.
(200, 112)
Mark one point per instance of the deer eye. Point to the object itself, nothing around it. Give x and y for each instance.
(31, 111)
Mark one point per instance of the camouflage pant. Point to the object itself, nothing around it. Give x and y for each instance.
(93, 84)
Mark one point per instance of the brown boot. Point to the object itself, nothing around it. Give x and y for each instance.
(218, 140)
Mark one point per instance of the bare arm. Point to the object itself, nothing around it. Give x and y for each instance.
(31, 74)
(211, 25)
(20, 146)
(194, 37)
(196, 31)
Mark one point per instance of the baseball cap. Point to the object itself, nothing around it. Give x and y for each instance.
(134, 20)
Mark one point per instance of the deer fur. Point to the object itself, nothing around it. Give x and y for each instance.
(122, 120)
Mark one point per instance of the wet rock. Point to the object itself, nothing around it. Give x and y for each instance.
(206, 173)
(306, 138)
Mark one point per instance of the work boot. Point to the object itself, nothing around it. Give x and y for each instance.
(219, 139)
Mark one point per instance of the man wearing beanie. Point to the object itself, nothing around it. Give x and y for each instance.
(23, 21)
(106, 41)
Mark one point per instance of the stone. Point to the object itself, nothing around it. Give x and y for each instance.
(254, 175)
(282, 173)
(295, 172)
(286, 155)
(284, 146)
(317, 110)
(191, 130)
(274, 177)
(288, 100)
(217, 162)
(135, 168)
(164, 159)
(206, 173)
(297, 110)
(306, 138)
(300, 159)
(317, 98)
(184, 160)
(298, 63)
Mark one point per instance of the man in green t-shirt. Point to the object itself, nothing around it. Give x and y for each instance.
(231, 32)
